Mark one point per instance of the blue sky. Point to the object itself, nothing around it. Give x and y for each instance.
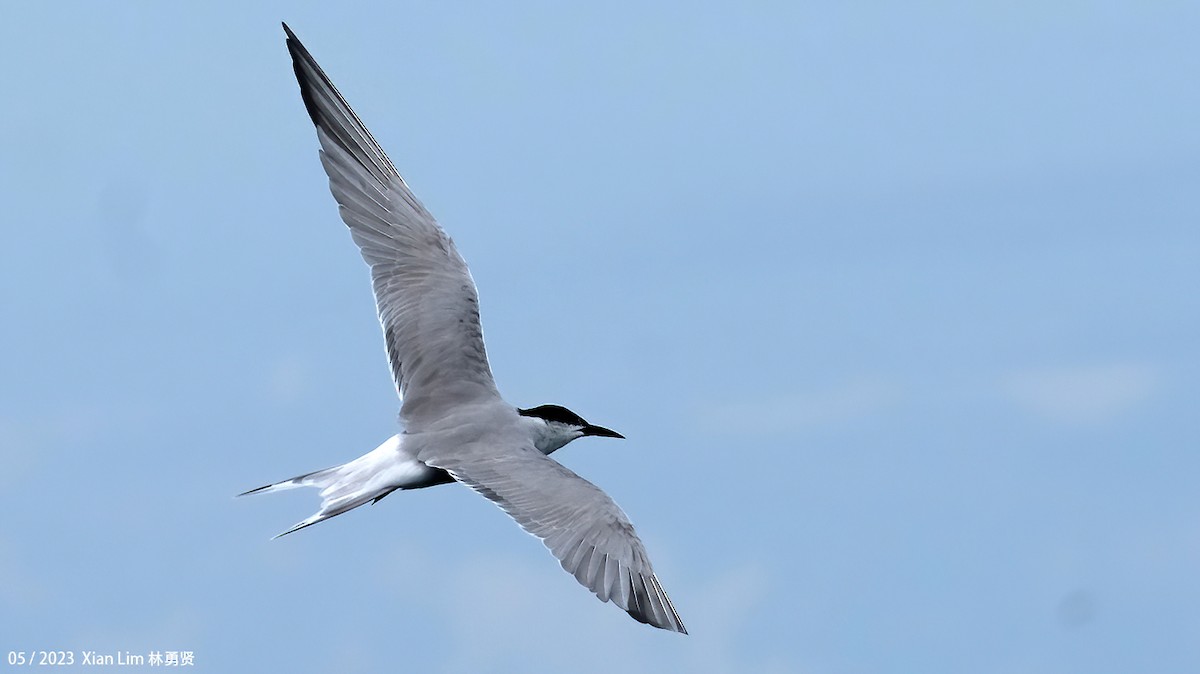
(896, 304)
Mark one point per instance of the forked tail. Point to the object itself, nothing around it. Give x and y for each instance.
(370, 477)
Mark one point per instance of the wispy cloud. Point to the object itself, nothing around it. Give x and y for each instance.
(28, 441)
(21, 588)
(513, 614)
(19, 448)
(289, 379)
(844, 402)
(1082, 395)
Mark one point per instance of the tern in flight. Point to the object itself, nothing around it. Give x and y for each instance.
(457, 428)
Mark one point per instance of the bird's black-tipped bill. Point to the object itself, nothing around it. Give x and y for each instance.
(601, 432)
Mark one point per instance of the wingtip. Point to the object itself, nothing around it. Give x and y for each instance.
(666, 623)
(676, 622)
(653, 607)
(302, 62)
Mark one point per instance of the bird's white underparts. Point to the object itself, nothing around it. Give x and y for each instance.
(457, 428)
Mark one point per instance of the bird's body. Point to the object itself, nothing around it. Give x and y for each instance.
(394, 464)
(457, 428)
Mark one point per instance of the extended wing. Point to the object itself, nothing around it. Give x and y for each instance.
(581, 525)
(426, 298)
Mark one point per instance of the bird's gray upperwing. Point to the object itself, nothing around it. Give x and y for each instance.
(581, 525)
(427, 302)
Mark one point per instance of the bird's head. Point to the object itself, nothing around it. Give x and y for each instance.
(554, 426)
